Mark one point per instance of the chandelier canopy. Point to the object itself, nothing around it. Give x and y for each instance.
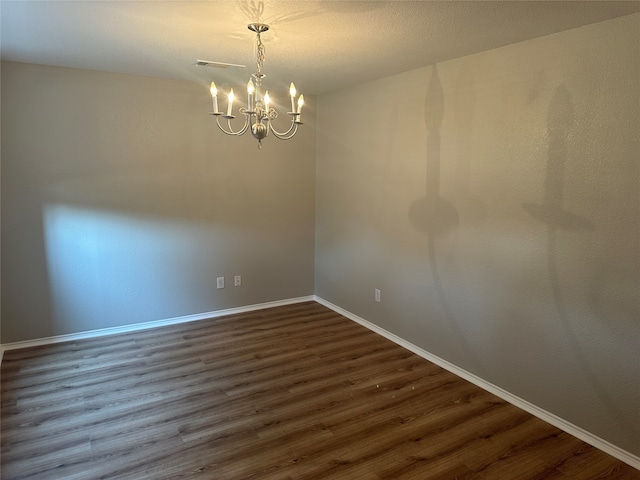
(259, 112)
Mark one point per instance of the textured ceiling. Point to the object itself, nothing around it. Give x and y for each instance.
(321, 45)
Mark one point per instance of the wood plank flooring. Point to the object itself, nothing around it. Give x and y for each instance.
(296, 392)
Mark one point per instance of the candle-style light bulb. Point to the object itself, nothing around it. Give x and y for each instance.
(230, 104)
(300, 104)
(250, 89)
(292, 92)
(267, 101)
(214, 97)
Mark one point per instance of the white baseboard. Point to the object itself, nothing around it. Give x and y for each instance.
(548, 417)
(153, 324)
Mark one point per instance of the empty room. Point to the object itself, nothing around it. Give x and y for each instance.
(291, 240)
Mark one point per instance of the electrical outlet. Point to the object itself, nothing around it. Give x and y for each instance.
(237, 280)
(377, 295)
(220, 282)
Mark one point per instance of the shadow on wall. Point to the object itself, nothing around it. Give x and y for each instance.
(432, 214)
(471, 207)
(551, 212)
(559, 124)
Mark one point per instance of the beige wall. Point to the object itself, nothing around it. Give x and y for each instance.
(494, 201)
(122, 203)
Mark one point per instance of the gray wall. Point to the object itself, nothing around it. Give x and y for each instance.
(494, 201)
(122, 203)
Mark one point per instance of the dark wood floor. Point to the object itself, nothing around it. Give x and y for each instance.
(295, 392)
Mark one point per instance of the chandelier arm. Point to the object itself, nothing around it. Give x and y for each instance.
(285, 135)
(230, 131)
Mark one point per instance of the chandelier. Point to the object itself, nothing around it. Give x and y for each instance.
(259, 112)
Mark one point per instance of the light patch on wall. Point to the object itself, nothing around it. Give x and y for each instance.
(107, 268)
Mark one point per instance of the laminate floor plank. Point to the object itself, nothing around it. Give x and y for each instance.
(287, 393)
